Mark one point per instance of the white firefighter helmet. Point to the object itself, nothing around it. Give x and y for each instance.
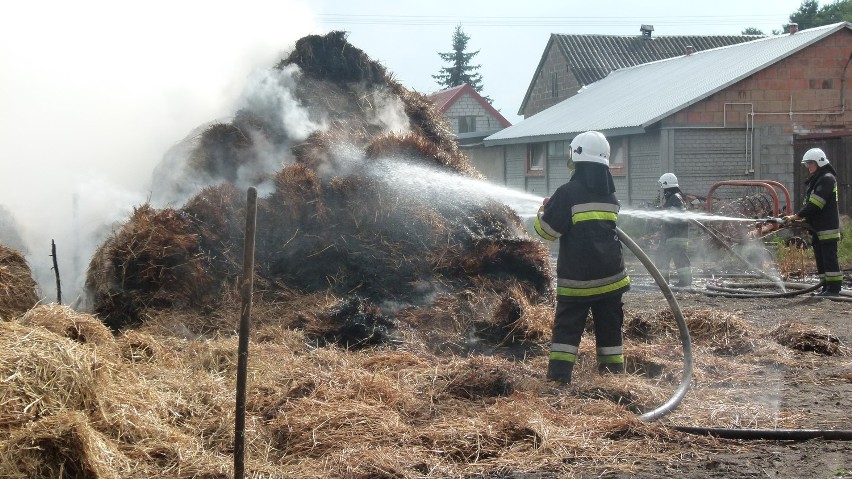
(668, 180)
(590, 146)
(816, 155)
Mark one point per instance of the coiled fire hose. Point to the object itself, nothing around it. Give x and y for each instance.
(734, 290)
(686, 380)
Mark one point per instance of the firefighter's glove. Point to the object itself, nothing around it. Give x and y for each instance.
(788, 220)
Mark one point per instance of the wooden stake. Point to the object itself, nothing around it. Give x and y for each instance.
(56, 271)
(246, 287)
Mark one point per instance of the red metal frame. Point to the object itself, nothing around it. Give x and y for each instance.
(768, 184)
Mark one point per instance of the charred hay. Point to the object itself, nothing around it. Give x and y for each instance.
(155, 260)
(17, 286)
(806, 338)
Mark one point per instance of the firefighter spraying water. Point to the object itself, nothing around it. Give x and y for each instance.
(582, 215)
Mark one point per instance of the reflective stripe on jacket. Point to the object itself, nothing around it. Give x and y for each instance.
(819, 208)
(591, 262)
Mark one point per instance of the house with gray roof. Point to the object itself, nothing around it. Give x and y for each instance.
(570, 62)
(741, 112)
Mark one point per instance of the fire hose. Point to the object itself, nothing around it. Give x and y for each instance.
(686, 380)
(683, 331)
(734, 290)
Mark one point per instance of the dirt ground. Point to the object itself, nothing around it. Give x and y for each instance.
(820, 390)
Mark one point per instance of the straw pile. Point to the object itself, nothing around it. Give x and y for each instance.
(17, 286)
(157, 405)
(802, 337)
(331, 223)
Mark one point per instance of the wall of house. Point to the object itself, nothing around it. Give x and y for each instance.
(541, 96)
(643, 166)
(489, 162)
(466, 105)
(798, 96)
(515, 157)
(701, 157)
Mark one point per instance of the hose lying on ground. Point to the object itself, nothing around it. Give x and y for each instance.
(677, 397)
(685, 340)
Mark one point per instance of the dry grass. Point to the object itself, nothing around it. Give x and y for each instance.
(159, 404)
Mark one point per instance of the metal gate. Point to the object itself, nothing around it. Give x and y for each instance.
(839, 152)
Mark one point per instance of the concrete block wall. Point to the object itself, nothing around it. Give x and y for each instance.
(515, 157)
(643, 167)
(467, 105)
(489, 162)
(704, 156)
(541, 96)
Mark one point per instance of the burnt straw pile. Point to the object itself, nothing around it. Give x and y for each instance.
(331, 220)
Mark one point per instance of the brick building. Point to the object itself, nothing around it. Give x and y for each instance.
(741, 112)
(570, 62)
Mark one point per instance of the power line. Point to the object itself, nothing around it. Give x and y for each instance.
(535, 21)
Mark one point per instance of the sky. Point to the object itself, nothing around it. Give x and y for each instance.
(94, 92)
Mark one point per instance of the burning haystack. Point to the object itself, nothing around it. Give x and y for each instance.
(17, 286)
(356, 209)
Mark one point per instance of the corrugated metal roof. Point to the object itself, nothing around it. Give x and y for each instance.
(631, 99)
(591, 57)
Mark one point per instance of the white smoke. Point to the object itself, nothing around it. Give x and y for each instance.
(94, 92)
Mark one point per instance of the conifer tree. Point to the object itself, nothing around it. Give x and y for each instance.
(460, 71)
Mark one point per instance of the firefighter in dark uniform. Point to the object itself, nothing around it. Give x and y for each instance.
(675, 233)
(590, 271)
(820, 211)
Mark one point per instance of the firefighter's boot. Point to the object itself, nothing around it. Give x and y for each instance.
(560, 371)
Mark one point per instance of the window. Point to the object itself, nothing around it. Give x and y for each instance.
(618, 156)
(536, 157)
(558, 150)
(467, 124)
(554, 85)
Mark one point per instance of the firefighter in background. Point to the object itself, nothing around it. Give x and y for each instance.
(674, 237)
(821, 212)
(590, 271)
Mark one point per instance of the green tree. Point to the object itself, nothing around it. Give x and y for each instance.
(752, 31)
(810, 14)
(460, 71)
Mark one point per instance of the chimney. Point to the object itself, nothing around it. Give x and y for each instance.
(690, 49)
(646, 30)
(794, 27)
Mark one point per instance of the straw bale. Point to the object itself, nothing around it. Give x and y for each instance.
(18, 290)
(154, 260)
(808, 338)
(331, 57)
(297, 196)
(45, 374)
(64, 321)
(62, 446)
(220, 212)
(422, 149)
(222, 150)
